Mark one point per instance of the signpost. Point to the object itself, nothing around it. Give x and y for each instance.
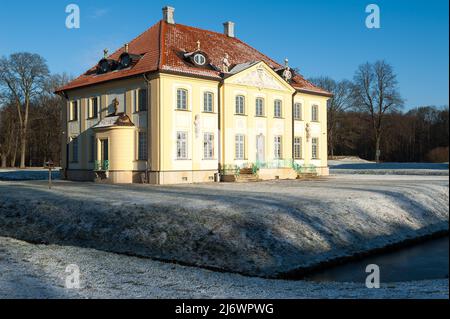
(49, 165)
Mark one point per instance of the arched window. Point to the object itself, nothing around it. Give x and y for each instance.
(208, 98)
(298, 111)
(259, 106)
(277, 111)
(315, 113)
(240, 104)
(182, 97)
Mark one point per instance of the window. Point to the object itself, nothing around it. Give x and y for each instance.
(141, 100)
(92, 148)
(182, 96)
(199, 59)
(75, 150)
(259, 106)
(315, 148)
(240, 104)
(315, 113)
(73, 110)
(208, 146)
(142, 146)
(182, 145)
(277, 147)
(208, 102)
(277, 108)
(298, 111)
(93, 108)
(297, 147)
(240, 146)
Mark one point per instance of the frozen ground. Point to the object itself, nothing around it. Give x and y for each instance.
(352, 166)
(36, 271)
(261, 229)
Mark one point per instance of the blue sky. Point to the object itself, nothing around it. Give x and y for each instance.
(321, 37)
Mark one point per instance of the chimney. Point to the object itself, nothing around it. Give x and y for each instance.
(229, 29)
(168, 14)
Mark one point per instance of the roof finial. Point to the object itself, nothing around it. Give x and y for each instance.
(287, 74)
(105, 53)
(198, 45)
(126, 47)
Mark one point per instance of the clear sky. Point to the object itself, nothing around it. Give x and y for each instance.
(321, 37)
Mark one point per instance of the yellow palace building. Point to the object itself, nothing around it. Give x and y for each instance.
(183, 105)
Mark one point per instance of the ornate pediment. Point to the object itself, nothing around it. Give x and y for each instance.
(259, 78)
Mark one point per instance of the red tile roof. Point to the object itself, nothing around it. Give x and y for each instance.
(162, 46)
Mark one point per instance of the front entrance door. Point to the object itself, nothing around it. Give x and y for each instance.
(260, 149)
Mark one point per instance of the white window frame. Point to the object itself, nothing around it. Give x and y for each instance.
(298, 108)
(208, 102)
(278, 147)
(201, 57)
(315, 148)
(182, 101)
(182, 145)
(240, 105)
(278, 108)
(259, 107)
(298, 154)
(208, 146)
(314, 113)
(239, 148)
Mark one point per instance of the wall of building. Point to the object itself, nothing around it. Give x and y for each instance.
(258, 81)
(318, 129)
(162, 121)
(194, 121)
(124, 91)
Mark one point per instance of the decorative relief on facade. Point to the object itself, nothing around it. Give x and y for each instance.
(308, 132)
(197, 126)
(261, 79)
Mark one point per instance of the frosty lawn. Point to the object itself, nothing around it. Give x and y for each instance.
(263, 229)
(37, 271)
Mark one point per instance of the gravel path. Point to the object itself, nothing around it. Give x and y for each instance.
(37, 271)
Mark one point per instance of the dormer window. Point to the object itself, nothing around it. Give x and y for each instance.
(199, 59)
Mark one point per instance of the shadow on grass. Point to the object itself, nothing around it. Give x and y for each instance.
(248, 232)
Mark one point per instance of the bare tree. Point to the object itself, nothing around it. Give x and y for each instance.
(375, 92)
(337, 105)
(21, 78)
(8, 134)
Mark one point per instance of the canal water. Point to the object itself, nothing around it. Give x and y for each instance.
(427, 260)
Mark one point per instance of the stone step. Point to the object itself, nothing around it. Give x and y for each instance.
(244, 178)
(246, 171)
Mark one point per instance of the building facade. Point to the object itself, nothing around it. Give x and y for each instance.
(184, 105)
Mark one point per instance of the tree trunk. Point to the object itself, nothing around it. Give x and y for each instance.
(377, 149)
(14, 153)
(3, 160)
(23, 145)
